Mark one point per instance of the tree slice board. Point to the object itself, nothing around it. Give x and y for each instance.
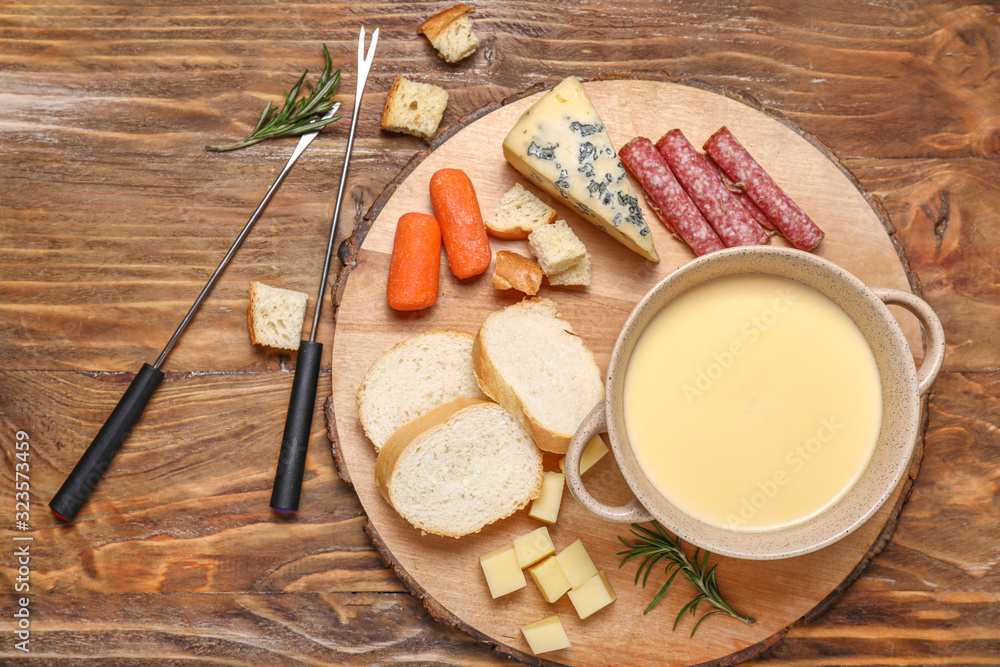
(445, 572)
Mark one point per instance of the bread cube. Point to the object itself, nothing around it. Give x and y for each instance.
(450, 33)
(518, 214)
(275, 316)
(414, 108)
(556, 247)
(514, 271)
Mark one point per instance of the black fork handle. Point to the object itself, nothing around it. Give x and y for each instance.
(298, 424)
(97, 459)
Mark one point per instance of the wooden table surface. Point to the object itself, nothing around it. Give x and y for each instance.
(112, 216)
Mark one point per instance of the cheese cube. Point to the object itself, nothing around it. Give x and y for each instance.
(546, 635)
(592, 453)
(595, 593)
(533, 547)
(549, 578)
(545, 507)
(576, 564)
(502, 572)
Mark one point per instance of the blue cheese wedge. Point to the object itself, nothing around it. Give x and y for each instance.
(560, 143)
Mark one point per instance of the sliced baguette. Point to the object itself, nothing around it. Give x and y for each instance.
(527, 359)
(413, 378)
(460, 467)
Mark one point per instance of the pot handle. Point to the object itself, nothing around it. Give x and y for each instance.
(631, 512)
(933, 332)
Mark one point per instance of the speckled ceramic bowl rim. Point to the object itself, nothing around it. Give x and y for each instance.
(901, 391)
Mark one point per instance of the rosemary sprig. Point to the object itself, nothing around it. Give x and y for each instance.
(657, 545)
(297, 116)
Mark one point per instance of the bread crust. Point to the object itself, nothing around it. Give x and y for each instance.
(512, 234)
(517, 233)
(386, 121)
(438, 23)
(250, 313)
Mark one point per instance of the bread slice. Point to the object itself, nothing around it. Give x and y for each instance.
(513, 271)
(576, 275)
(556, 247)
(450, 33)
(519, 212)
(413, 378)
(460, 467)
(414, 108)
(528, 360)
(275, 316)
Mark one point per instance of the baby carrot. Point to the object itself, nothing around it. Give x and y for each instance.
(415, 263)
(462, 229)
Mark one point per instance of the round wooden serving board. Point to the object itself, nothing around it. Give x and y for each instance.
(445, 572)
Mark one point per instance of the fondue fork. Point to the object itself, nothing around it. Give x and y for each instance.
(97, 458)
(298, 423)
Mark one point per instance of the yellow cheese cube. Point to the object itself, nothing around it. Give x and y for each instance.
(546, 635)
(550, 579)
(576, 564)
(533, 547)
(546, 506)
(592, 453)
(502, 572)
(595, 593)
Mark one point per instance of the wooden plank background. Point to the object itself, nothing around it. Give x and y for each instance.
(112, 216)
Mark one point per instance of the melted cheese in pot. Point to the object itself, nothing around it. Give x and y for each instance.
(752, 402)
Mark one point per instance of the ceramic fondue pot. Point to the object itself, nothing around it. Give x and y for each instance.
(902, 386)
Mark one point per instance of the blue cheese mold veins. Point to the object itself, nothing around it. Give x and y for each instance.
(561, 144)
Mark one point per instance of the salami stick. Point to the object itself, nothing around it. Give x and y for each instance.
(740, 166)
(720, 207)
(667, 198)
(740, 190)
